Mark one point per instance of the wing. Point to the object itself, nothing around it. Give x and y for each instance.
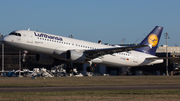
(91, 54)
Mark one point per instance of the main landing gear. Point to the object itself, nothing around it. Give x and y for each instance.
(90, 68)
(69, 68)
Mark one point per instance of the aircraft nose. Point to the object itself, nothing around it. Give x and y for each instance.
(4, 39)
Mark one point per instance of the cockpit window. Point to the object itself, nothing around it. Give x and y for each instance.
(16, 34)
(11, 34)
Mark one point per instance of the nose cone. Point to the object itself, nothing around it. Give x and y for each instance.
(3, 39)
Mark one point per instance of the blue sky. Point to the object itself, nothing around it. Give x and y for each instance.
(93, 20)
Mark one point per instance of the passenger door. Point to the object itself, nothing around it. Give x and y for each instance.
(30, 37)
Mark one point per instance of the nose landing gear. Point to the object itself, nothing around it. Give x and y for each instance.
(69, 68)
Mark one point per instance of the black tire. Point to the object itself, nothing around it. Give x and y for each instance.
(90, 69)
(87, 69)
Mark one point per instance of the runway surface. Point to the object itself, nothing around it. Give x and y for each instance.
(86, 88)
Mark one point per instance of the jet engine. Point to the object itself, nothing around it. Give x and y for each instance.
(44, 59)
(75, 56)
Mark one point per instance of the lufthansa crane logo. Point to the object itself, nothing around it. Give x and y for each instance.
(153, 40)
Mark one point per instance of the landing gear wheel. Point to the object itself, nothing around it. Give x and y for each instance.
(90, 69)
(69, 70)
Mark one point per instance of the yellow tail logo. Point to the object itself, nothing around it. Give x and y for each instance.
(153, 40)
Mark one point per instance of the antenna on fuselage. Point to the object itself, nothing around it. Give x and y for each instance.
(71, 36)
(28, 29)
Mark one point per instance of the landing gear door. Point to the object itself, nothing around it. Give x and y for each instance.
(30, 37)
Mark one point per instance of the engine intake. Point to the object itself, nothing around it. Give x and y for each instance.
(75, 56)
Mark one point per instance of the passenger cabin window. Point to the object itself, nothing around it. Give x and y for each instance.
(16, 34)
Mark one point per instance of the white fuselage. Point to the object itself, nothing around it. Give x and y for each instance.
(56, 46)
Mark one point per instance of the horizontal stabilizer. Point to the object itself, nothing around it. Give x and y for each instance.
(157, 58)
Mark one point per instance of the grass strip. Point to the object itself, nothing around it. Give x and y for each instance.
(135, 95)
(88, 81)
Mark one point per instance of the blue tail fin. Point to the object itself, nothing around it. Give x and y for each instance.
(152, 39)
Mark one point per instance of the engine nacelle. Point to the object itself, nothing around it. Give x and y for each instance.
(75, 56)
(44, 59)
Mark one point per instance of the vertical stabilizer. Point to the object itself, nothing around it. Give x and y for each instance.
(152, 39)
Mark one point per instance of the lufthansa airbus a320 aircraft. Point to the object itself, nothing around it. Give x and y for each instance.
(51, 47)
